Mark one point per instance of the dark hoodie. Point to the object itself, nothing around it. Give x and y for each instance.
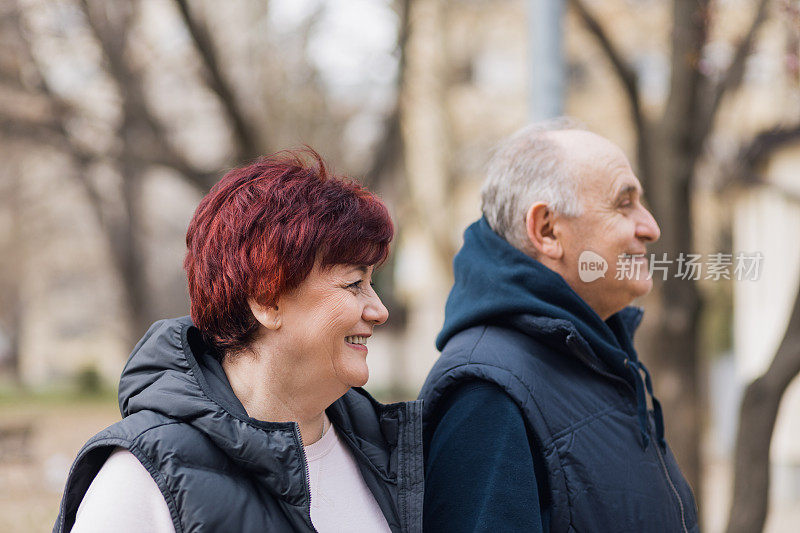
(576, 383)
(219, 469)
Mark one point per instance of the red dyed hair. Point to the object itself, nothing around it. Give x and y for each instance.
(260, 230)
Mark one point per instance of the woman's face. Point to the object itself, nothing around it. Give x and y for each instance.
(325, 323)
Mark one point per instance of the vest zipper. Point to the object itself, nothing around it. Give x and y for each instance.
(308, 474)
(656, 445)
(671, 484)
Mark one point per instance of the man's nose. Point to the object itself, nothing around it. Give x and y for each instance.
(647, 228)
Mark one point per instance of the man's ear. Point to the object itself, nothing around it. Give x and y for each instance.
(539, 225)
(268, 316)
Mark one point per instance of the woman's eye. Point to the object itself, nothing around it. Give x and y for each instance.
(354, 285)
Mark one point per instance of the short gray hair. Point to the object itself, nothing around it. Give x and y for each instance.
(525, 168)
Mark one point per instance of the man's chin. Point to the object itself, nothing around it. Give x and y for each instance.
(641, 287)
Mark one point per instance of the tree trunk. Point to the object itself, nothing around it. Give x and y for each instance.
(11, 269)
(672, 349)
(758, 413)
(128, 246)
(667, 152)
(425, 126)
(669, 343)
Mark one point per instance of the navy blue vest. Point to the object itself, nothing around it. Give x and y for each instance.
(602, 475)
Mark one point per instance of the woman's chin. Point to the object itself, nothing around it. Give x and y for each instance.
(354, 376)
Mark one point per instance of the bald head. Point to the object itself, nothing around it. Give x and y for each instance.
(590, 161)
(532, 165)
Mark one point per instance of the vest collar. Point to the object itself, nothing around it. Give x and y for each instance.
(629, 370)
(171, 372)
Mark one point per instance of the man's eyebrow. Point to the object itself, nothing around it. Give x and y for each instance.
(628, 189)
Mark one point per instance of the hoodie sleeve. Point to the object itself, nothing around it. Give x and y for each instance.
(480, 473)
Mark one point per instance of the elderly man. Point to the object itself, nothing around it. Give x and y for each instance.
(536, 412)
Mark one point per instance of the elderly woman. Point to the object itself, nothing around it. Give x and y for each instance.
(248, 417)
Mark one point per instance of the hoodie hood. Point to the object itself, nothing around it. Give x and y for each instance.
(495, 283)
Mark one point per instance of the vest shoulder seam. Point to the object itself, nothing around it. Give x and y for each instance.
(477, 342)
(130, 445)
(160, 482)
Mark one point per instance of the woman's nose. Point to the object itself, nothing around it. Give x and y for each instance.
(375, 311)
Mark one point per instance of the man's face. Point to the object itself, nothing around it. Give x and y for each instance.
(613, 223)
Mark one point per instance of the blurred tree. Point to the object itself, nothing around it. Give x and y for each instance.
(426, 132)
(24, 115)
(758, 413)
(762, 397)
(292, 104)
(250, 141)
(669, 148)
(12, 257)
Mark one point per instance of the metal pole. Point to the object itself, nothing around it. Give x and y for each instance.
(546, 59)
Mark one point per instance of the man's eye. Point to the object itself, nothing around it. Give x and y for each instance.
(354, 285)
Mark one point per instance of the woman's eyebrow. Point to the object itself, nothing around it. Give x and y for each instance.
(361, 268)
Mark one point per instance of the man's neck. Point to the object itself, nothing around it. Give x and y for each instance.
(573, 282)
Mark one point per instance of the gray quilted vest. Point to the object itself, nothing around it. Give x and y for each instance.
(220, 470)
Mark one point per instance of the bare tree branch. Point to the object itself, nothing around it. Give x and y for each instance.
(630, 84)
(679, 131)
(735, 73)
(109, 35)
(390, 148)
(249, 143)
(624, 71)
(766, 142)
(54, 133)
(140, 133)
(54, 136)
(744, 169)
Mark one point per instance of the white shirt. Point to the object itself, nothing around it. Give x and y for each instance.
(123, 497)
(340, 499)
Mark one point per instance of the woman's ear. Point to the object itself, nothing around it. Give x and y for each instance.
(540, 226)
(268, 316)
